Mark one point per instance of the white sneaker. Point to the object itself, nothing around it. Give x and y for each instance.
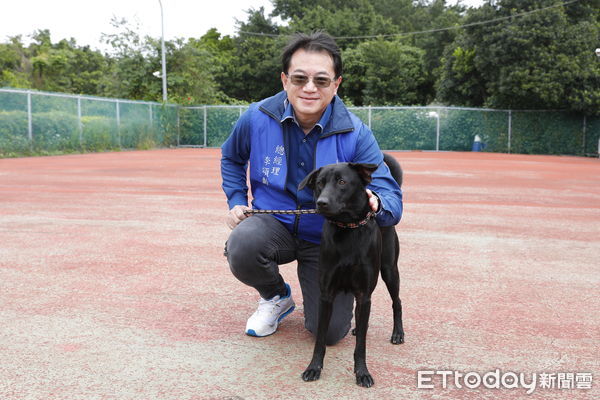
(266, 318)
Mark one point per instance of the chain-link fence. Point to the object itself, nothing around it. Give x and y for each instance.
(39, 123)
(433, 128)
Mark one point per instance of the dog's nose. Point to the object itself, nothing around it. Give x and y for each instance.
(322, 202)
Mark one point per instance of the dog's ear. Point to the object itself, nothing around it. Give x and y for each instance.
(364, 171)
(310, 180)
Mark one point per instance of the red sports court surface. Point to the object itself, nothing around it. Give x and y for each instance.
(114, 286)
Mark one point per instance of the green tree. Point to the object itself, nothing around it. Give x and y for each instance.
(193, 66)
(357, 18)
(64, 66)
(299, 9)
(254, 68)
(364, 18)
(14, 66)
(402, 14)
(541, 60)
(132, 63)
(461, 82)
(432, 16)
(222, 50)
(384, 73)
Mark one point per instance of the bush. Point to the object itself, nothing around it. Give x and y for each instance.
(191, 126)
(51, 133)
(546, 132)
(58, 131)
(403, 129)
(220, 123)
(55, 132)
(459, 128)
(99, 134)
(14, 137)
(592, 136)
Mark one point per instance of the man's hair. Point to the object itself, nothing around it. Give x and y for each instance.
(316, 42)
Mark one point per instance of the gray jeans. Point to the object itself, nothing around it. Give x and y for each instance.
(256, 248)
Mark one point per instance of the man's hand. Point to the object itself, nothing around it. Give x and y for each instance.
(236, 215)
(373, 200)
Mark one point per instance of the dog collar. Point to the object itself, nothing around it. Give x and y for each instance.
(353, 225)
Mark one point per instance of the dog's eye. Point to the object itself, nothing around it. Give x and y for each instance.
(341, 182)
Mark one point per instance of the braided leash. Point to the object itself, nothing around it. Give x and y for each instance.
(294, 212)
(351, 225)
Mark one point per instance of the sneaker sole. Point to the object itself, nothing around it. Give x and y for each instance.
(252, 332)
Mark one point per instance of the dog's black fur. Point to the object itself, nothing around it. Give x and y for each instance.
(351, 258)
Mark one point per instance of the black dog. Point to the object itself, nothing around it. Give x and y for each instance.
(353, 251)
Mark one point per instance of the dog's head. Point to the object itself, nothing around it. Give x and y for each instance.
(339, 189)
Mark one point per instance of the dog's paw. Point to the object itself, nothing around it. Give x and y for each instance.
(397, 338)
(311, 374)
(397, 335)
(364, 379)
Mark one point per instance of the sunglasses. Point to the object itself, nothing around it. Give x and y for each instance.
(302, 80)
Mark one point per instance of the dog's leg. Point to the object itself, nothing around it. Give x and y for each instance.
(391, 277)
(362, 312)
(313, 371)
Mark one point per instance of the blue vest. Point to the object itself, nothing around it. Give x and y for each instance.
(268, 162)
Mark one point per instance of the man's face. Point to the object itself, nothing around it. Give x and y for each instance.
(310, 101)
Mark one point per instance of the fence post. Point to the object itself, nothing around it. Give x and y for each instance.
(29, 119)
(205, 141)
(509, 129)
(178, 125)
(584, 133)
(437, 131)
(80, 124)
(369, 109)
(118, 123)
(150, 114)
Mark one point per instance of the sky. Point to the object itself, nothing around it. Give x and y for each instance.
(85, 21)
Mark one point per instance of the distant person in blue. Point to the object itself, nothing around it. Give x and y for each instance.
(279, 141)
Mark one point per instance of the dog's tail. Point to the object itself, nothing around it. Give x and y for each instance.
(394, 167)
